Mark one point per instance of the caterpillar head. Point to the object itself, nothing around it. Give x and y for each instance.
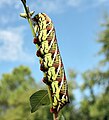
(37, 20)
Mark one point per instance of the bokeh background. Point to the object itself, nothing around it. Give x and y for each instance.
(82, 28)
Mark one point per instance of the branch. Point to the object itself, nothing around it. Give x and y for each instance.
(27, 14)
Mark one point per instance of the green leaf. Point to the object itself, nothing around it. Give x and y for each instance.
(38, 99)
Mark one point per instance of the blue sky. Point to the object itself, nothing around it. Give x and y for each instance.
(77, 24)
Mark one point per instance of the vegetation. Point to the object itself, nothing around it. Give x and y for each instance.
(15, 89)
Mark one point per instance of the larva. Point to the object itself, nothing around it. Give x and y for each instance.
(50, 60)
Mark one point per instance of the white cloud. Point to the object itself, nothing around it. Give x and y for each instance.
(101, 2)
(7, 3)
(5, 19)
(89, 4)
(9, 11)
(74, 3)
(58, 6)
(52, 6)
(49, 6)
(12, 46)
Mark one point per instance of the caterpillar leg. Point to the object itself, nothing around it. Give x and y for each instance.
(36, 41)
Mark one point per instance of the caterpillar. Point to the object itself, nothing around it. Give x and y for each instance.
(50, 60)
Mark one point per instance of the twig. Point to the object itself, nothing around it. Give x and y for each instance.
(28, 17)
(55, 116)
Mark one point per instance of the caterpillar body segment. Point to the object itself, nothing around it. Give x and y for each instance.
(50, 60)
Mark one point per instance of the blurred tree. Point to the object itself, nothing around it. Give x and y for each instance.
(104, 39)
(89, 99)
(104, 51)
(15, 90)
(96, 106)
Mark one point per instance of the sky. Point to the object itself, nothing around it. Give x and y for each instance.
(77, 24)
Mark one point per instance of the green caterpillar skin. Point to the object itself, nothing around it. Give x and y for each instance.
(50, 60)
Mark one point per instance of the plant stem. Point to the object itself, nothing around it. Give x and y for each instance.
(55, 115)
(49, 93)
(29, 18)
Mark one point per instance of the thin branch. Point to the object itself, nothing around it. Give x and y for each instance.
(55, 116)
(28, 17)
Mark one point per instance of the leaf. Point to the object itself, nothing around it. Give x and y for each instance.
(39, 98)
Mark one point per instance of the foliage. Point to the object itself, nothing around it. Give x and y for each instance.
(104, 40)
(94, 106)
(38, 99)
(15, 89)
